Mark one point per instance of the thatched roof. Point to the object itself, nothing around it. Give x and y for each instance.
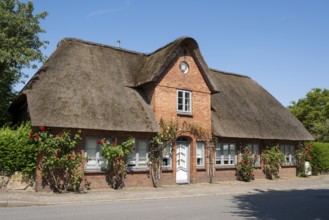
(156, 63)
(84, 85)
(243, 109)
(93, 86)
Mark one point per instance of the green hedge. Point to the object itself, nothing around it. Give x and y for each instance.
(17, 152)
(320, 156)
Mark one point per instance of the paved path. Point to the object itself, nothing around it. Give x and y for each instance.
(22, 198)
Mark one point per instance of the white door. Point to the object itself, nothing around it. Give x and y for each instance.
(182, 162)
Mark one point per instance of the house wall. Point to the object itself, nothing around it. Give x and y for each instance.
(164, 98)
(141, 178)
(97, 179)
(228, 173)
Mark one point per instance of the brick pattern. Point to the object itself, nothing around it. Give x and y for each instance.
(141, 178)
(97, 179)
(164, 97)
(287, 172)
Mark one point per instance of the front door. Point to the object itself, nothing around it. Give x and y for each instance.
(182, 160)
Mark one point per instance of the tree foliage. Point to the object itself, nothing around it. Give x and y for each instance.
(20, 47)
(313, 112)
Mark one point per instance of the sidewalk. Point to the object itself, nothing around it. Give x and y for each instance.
(23, 198)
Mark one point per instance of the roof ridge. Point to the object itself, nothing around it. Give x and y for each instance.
(100, 45)
(180, 39)
(229, 73)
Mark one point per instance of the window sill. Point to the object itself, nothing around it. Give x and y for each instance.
(94, 171)
(186, 114)
(288, 165)
(138, 170)
(200, 169)
(167, 170)
(226, 167)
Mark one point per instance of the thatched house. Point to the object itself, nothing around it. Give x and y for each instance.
(107, 91)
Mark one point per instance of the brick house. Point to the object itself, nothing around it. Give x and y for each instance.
(111, 92)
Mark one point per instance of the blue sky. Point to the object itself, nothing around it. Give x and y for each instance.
(281, 44)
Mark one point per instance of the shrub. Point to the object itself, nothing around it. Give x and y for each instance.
(59, 164)
(17, 152)
(117, 156)
(272, 159)
(321, 156)
(245, 168)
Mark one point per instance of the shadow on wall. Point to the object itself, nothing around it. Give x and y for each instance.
(295, 204)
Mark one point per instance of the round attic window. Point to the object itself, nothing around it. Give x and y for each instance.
(183, 67)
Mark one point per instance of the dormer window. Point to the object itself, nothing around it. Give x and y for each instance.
(184, 101)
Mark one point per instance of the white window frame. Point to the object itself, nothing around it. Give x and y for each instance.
(255, 152)
(95, 162)
(184, 110)
(200, 153)
(167, 155)
(220, 159)
(289, 154)
(134, 159)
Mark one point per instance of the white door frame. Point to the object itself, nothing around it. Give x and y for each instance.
(183, 160)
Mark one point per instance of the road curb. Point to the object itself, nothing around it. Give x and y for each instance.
(22, 199)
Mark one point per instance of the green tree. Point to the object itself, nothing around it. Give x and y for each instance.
(20, 47)
(313, 112)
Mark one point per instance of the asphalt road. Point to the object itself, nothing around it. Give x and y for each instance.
(293, 204)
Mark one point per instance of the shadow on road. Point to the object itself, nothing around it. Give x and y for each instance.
(295, 204)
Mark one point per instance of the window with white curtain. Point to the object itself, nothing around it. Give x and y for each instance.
(255, 153)
(139, 157)
(167, 156)
(184, 101)
(225, 154)
(93, 155)
(200, 158)
(289, 153)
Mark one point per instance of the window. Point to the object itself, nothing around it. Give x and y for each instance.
(200, 154)
(184, 101)
(139, 158)
(254, 152)
(289, 154)
(225, 154)
(93, 154)
(167, 156)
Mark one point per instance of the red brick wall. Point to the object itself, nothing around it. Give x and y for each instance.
(141, 178)
(287, 172)
(163, 99)
(164, 96)
(97, 179)
(224, 174)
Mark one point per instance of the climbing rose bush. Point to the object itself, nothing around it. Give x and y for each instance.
(59, 163)
(117, 156)
(272, 160)
(245, 168)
